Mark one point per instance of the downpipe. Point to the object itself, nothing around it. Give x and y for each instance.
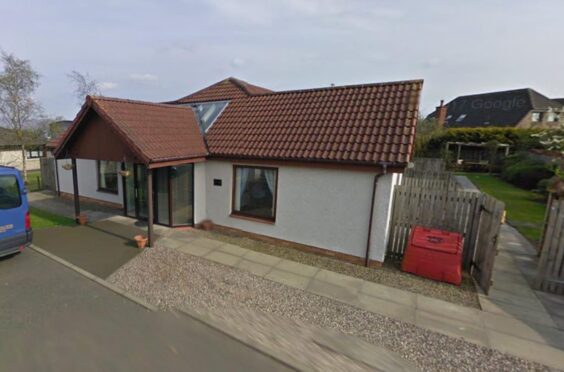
(370, 218)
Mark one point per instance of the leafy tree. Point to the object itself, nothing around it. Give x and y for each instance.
(84, 85)
(18, 109)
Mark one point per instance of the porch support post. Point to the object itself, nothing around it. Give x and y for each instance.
(75, 190)
(150, 214)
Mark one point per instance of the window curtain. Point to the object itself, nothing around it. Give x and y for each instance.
(242, 175)
(270, 176)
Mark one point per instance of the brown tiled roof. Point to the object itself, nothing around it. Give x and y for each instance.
(227, 89)
(155, 132)
(364, 124)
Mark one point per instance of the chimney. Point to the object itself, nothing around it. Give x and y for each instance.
(441, 114)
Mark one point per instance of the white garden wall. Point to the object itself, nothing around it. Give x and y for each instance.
(325, 208)
(87, 181)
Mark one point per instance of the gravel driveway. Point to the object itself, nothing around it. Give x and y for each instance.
(169, 278)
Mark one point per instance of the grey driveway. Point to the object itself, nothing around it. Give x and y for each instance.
(53, 319)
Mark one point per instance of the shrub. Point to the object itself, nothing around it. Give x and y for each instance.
(525, 172)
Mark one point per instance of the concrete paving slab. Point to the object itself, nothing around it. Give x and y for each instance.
(182, 236)
(207, 243)
(262, 258)
(342, 294)
(386, 308)
(223, 258)
(195, 250)
(501, 308)
(530, 302)
(388, 293)
(452, 327)
(289, 279)
(527, 330)
(339, 279)
(169, 243)
(254, 268)
(507, 276)
(232, 249)
(449, 310)
(520, 289)
(535, 351)
(297, 268)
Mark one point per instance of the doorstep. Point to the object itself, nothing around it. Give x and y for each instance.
(475, 326)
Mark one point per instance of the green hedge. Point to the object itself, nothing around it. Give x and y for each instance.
(433, 144)
(525, 172)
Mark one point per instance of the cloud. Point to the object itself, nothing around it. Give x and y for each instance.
(107, 85)
(238, 62)
(143, 77)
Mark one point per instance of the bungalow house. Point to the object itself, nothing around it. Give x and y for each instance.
(519, 108)
(11, 153)
(314, 167)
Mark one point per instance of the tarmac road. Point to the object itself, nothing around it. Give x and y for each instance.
(54, 319)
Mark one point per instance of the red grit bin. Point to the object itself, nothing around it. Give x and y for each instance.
(434, 254)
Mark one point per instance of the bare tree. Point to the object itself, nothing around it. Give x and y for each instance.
(18, 108)
(83, 85)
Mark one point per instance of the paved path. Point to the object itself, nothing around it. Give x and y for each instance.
(53, 319)
(47, 201)
(528, 334)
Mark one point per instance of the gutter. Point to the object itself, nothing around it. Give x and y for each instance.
(369, 237)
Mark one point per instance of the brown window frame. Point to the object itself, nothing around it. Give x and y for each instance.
(104, 189)
(249, 216)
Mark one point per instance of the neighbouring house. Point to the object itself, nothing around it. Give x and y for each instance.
(11, 153)
(314, 167)
(520, 108)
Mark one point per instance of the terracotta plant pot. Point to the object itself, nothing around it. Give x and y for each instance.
(141, 241)
(82, 219)
(207, 225)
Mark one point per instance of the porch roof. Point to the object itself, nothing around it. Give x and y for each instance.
(149, 133)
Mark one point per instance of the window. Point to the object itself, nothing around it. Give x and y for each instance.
(460, 118)
(536, 117)
(34, 154)
(254, 192)
(108, 176)
(207, 113)
(552, 117)
(9, 192)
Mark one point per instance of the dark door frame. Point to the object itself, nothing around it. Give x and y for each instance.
(154, 196)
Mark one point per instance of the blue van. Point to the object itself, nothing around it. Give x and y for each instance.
(15, 222)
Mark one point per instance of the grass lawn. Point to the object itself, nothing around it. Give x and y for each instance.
(33, 180)
(41, 219)
(525, 209)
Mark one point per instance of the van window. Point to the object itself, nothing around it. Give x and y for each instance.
(9, 192)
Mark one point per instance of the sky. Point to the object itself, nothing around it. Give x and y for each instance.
(162, 50)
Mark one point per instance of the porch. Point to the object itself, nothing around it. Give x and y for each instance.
(144, 155)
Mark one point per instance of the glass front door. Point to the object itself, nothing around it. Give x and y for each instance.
(173, 196)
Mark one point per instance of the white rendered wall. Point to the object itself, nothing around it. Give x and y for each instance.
(324, 208)
(199, 192)
(87, 181)
(13, 158)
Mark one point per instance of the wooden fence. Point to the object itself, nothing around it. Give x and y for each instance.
(434, 208)
(550, 275)
(474, 215)
(48, 177)
(432, 165)
(429, 180)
